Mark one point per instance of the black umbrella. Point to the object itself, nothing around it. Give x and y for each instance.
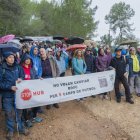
(26, 40)
(57, 37)
(74, 40)
(19, 38)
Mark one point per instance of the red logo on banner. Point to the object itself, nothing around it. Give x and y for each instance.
(26, 94)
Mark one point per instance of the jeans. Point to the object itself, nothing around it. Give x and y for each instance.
(0, 101)
(12, 115)
(134, 83)
(123, 80)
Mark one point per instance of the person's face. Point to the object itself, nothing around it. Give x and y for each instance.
(10, 59)
(58, 53)
(133, 52)
(29, 48)
(118, 53)
(28, 61)
(79, 54)
(42, 52)
(35, 51)
(88, 52)
(102, 52)
(50, 53)
(108, 50)
(138, 50)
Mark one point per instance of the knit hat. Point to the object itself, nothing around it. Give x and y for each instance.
(7, 54)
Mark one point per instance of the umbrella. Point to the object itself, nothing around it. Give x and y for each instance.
(6, 38)
(74, 40)
(15, 42)
(18, 38)
(57, 41)
(26, 40)
(76, 46)
(9, 47)
(58, 37)
(128, 42)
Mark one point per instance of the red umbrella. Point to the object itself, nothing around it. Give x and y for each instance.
(76, 46)
(6, 38)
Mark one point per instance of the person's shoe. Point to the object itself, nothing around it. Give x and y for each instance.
(48, 107)
(37, 120)
(106, 97)
(101, 96)
(93, 96)
(9, 136)
(29, 124)
(118, 100)
(130, 101)
(40, 110)
(24, 132)
(56, 105)
(138, 94)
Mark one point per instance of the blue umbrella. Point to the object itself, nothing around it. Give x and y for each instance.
(9, 48)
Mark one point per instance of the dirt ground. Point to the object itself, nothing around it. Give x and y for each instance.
(91, 119)
(73, 121)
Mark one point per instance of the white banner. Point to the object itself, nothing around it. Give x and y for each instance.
(33, 93)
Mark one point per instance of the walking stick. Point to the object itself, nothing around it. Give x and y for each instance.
(16, 114)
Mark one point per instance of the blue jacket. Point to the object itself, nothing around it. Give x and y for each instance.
(79, 66)
(36, 61)
(130, 61)
(8, 77)
(61, 64)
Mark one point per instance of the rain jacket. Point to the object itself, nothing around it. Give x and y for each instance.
(8, 78)
(36, 61)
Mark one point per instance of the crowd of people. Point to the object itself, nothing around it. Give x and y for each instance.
(38, 60)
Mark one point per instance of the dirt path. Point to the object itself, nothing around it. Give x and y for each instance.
(73, 121)
(124, 115)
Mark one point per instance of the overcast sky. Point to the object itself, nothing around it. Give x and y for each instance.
(104, 7)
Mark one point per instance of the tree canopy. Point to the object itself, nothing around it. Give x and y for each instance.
(68, 18)
(119, 20)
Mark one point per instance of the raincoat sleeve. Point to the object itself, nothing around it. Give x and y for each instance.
(66, 58)
(57, 69)
(39, 70)
(3, 83)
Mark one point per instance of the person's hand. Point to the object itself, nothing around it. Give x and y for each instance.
(19, 80)
(126, 74)
(14, 88)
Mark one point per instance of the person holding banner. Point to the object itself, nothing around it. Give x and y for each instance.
(60, 58)
(102, 64)
(34, 54)
(78, 64)
(49, 67)
(10, 74)
(28, 73)
(119, 64)
(90, 61)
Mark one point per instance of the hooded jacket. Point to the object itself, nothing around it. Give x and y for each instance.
(8, 78)
(102, 62)
(36, 61)
(33, 74)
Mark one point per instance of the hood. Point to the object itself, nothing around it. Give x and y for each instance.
(25, 57)
(32, 51)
